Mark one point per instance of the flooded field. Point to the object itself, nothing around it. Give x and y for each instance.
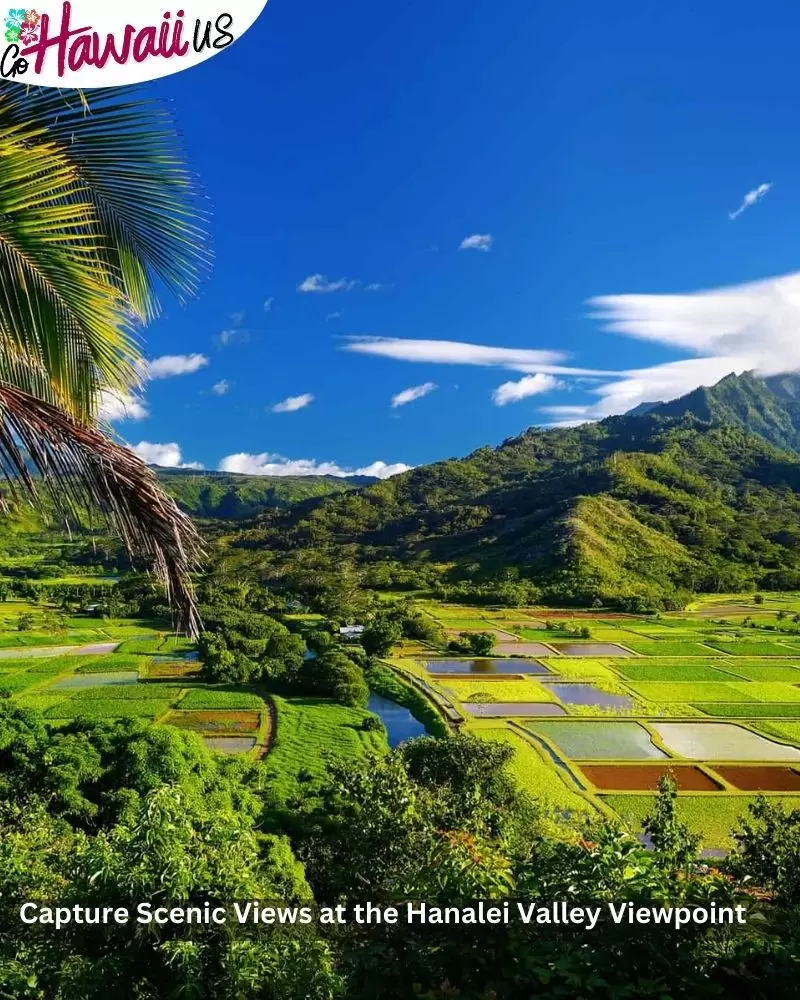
(511, 709)
(485, 666)
(523, 649)
(761, 779)
(590, 649)
(645, 777)
(79, 681)
(720, 741)
(588, 694)
(599, 740)
(229, 744)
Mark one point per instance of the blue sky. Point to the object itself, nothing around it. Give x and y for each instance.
(590, 152)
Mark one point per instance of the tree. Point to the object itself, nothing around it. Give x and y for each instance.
(758, 599)
(380, 635)
(97, 208)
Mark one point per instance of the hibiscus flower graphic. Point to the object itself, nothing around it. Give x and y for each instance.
(28, 34)
(32, 18)
(15, 19)
(12, 35)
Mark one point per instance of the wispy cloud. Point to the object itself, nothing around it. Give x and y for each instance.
(176, 364)
(222, 388)
(334, 315)
(319, 283)
(376, 286)
(227, 338)
(168, 456)
(748, 327)
(115, 407)
(268, 304)
(415, 392)
(477, 241)
(294, 403)
(267, 464)
(452, 352)
(530, 385)
(237, 318)
(750, 199)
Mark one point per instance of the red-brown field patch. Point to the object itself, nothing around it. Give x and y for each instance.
(216, 722)
(180, 669)
(761, 779)
(645, 777)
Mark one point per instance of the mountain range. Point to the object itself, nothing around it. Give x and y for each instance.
(696, 494)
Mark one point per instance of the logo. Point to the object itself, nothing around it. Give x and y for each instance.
(90, 43)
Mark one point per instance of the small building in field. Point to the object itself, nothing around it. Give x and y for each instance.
(351, 632)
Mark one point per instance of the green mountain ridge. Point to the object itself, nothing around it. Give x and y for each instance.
(638, 509)
(232, 496)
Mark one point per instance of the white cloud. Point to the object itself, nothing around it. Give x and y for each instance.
(293, 403)
(451, 352)
(412, 394)
(750, 199)
(222, 388)
(268, 304)
(166, 455)
(320, 283)
(530, 385)
(334, 315)
(115, 406)
(739, 328)
(267, 464)
(176, 364)
(477, 242)
(375, 286)
(227, 338)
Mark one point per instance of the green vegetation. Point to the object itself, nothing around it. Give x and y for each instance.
(227, 496)
(714, 817)
(207, 698)
(750, 711)
(311, 733)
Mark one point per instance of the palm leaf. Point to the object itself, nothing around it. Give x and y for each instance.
(82, 469)
(127, 156)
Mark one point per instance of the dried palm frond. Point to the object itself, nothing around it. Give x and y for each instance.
(83, 469)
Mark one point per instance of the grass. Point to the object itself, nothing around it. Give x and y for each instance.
(113, 663)
(216, 698)
(579, 668)
(780, 730)
(766, 691)
(752, 647)
(714, 817)
(535, 774)
(664, 647)
(750, 711)
(656, 691)
(130, 692)
(776, 672)
(311, 732)
(39, 702)
(655, 672)
(522, 690)
(109, 708)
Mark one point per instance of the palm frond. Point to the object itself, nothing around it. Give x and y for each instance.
(61, 308)
(127, 155)
(83, 469)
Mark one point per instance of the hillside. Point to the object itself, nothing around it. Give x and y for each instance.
(767, 407)
(230, 496)
(636, 509)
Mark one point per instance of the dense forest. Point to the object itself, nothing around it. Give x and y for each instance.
(637, 511)
(230, 496)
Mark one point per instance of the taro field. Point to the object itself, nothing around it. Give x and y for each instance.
(598, 706)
